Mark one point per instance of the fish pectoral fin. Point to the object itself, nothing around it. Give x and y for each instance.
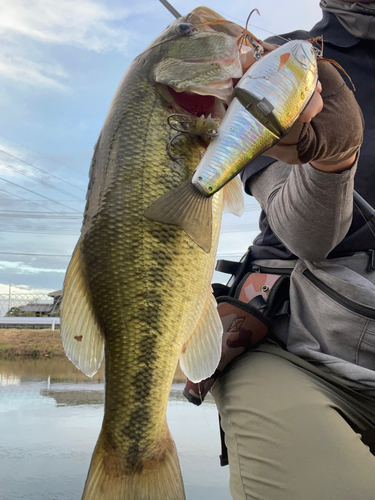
(202, 352)
(81, 336)
(233, 199)
(188, 208)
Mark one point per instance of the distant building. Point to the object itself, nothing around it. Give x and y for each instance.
(56, 295)
(36, 309)
(57, 298)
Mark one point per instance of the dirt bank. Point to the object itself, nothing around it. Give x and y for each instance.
(42, 344)
(16, 342)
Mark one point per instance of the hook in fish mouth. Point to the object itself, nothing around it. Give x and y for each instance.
(187, 125)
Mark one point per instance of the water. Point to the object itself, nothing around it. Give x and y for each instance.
(50, 417)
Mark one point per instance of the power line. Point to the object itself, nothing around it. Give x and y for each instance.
(252, 208)
(38, 152)
(42, 196)
(36, 254)
(39, 180)
(239, 228)
(241, 21)
(25, 199)
(35, 213)
(48, 233)
(234, 256)
(31, 201)
(39, 215)
(37, 168)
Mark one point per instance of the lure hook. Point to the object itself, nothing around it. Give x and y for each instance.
(170, 154)
(183, 125)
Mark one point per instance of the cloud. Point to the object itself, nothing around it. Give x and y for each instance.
(83, 23)
(21, 289)
(25, 269)
(26, 26)
(29, 72)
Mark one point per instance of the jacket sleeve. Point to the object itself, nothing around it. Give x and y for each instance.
(309, 211)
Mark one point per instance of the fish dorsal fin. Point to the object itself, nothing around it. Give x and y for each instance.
(201, 353)
(80, 332)
(186, 207)
(233, 199)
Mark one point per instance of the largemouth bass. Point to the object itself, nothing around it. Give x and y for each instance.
(266, 103)
(139, 290)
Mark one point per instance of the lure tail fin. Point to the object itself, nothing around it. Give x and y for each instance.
(233, 201)
(113, 477)
(188, 208)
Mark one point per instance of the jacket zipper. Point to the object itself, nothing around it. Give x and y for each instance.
(366, 311)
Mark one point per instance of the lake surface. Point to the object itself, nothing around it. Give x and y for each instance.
(50, 418)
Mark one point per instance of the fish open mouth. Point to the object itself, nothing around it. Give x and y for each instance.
(211, 98)
(198, 105)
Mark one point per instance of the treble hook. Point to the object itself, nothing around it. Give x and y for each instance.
(182, 122)
(171, 156)
(183, 127)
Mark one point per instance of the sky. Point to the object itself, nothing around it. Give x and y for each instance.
(60, 64)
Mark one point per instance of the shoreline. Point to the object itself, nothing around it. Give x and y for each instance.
(27, 344)
(18, 343)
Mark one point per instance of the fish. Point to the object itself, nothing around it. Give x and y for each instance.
(265, 104)
(136, 292)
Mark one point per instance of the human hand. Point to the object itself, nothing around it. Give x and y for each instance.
(314, 106)
(327, 137)
(247, 54)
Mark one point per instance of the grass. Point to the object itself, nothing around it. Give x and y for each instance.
(30, 343)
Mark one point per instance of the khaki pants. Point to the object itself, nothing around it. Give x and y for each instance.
(293, 432)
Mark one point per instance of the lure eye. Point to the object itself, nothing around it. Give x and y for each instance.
(185, 28)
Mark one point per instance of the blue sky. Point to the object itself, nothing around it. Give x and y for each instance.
(60, 64)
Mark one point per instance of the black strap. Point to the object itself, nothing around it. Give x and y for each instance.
(220, 290)
(227, 266)
(224, 460)
(371, 263)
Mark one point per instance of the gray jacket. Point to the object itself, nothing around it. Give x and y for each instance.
(332, 319)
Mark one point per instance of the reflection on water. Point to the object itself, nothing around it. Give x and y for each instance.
(50, 417)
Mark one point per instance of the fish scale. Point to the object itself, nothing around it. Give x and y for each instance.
(146, 284)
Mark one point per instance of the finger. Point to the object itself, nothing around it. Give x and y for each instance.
(314, 107)
(247, 57)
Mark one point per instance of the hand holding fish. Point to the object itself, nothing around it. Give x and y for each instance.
(329, 137)
(314, 107)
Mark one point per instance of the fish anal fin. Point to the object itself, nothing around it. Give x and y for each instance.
(201, 353)
(81, 336)
(114, 475)
(233, 199)
(188, 208)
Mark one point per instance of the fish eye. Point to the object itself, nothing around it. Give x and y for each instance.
(185, 28)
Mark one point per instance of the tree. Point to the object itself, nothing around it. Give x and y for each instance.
(13, 311)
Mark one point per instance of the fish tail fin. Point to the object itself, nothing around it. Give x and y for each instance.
(188, 208)
(112, 477)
